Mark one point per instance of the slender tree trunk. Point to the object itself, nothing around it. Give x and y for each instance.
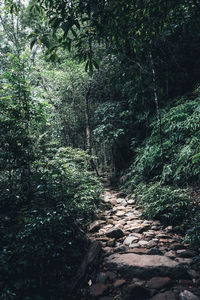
(88, 129)
(87, 121)
(156, 102)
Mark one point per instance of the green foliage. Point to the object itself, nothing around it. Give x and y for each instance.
(193, 233)
(179, 164)
(63, 174)
(64, 87)
(42, 243)
(47, 194)
(172, 207)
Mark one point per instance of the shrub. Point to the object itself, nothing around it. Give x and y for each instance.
(193, 233)
(42, 245)
(172, 207)
(181, 139)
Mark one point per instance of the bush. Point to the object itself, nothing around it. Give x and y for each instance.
(172, 207)
(193, 233)
(42, 243)
(181, 139)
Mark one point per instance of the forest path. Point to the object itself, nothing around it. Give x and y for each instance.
(141, 259)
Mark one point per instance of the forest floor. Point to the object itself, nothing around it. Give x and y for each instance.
(141, 259)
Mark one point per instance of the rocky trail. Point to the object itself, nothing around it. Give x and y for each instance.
(141, 259)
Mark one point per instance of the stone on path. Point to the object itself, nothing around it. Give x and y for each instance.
(176, 246)
(130, 239)
(136, 292)
(131, 201)
(184, 261)
(134, 245)
(115, 233)
(170, 253)
(119, 200)
(158, 282)
(95, 226)
(154, 251)
(185, 253)
(120, 213)
(101, 277)
(145, 266)
(139, 228)
(138, 251)
(192, 273)
(98, 289)
(124, 203)
(118, 283)
(187, 295)
(143, 243)
(118, 208)
(164, 296)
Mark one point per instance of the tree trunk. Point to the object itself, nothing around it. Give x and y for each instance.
(87, 121)
(156, 102)
(88, 129)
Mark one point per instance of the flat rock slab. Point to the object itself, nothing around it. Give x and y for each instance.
(145, 266)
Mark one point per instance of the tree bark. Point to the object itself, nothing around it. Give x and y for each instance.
(156, 102)
(88, 129)
(87, 121)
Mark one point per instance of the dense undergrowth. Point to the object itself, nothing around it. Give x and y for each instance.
(42, 241)
(163, 184)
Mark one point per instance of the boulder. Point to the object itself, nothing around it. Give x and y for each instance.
(145, 266)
